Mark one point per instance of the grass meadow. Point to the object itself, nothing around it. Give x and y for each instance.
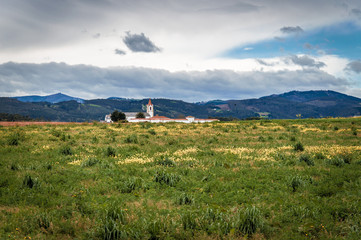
(278, 179)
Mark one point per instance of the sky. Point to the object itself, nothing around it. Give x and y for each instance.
(189, 50)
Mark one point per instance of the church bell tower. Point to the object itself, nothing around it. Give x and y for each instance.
(150, 109)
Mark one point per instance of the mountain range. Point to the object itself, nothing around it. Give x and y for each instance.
(54, 98)
(290, 105)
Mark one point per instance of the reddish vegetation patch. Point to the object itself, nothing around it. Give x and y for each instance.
(9, 124)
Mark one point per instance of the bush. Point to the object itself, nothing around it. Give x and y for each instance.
(307, 159)
(140, 115)
(319, 156)
(337, 161)
(117, 116)
(110, 152)
(90, 162)
(44, 221)
(165, 161)
(131, 139)
(15, 138)
(298, 147)
(66, 150)
(188, 221)
(152, 132)
(185, 199)
(169, 179)
(132, 184)
(296, 182)
(113, 222)
(30, 182)
(14, 167)
(155, 229)
(249, 221)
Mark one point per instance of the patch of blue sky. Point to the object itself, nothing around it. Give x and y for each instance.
(342, 39)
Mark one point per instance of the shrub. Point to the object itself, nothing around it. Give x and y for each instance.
(152, 132)
(90, 162)
(44, 221)
(298, 147)
(319, 156)
(307, 159)
(335, 128)
(131, 139)
(165, 161)
(66, 150)
(188, 221)
(110, 152)
(113, 222)
(117, 116)
(132, 184)
(95, 139)
(296, 182)
(249, 221)
(293, 139)
(14, 167)
(337, 161)
(15, 138)
(185, 199)
(30, 182)
(169, 179)
(155, 229)
(140, 115)
(261, 139)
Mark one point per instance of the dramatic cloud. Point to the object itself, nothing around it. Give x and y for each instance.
(354, 66)
(91, 82)
(119, 52)
(291, 30)
(139, 43)
(306, 61)
(356, 12)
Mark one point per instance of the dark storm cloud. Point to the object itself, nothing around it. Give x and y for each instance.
(354, 66)
(42, 22)
(306, 61)
(356, 12)
(119, 52)
(91, 82)
(292, 30)
(139, 43)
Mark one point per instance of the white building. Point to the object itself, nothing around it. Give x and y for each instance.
(149, 117)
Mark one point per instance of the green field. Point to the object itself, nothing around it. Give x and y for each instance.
(279, 179)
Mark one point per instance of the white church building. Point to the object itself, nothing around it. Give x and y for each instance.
(149, 117)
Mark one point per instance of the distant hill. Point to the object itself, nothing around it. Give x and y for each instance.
(309, 104)
(54, 98)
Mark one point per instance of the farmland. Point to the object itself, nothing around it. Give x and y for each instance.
(279, 179)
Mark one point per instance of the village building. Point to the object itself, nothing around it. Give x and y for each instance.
(149, 117)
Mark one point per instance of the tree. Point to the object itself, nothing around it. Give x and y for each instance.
(117, 116)
(140, 115)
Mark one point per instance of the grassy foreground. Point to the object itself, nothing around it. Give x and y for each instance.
(279, 179)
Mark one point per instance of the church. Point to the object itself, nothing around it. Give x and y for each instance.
(149, 117)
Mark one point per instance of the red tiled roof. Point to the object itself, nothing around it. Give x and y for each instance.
(159, 118)
(150, 102)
